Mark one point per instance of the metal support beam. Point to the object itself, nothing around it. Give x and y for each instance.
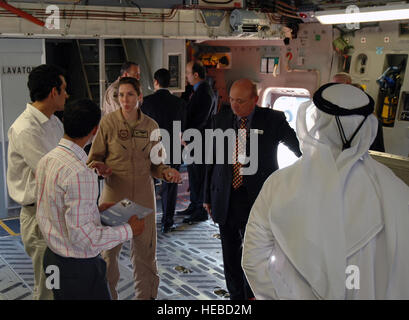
(102, 74)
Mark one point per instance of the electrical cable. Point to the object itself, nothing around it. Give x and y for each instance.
(134, 4)
(217, 2)
(288, 15)
(283, 4)
(285, 9)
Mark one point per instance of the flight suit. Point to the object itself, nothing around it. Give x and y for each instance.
(127, 152)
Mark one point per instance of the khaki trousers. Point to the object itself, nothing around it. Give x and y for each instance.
(143, 258)
(35, 246)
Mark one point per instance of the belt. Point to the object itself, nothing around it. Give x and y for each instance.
(75, 260)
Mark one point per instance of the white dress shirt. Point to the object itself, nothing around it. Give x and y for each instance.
(31, 136)
(67, 211)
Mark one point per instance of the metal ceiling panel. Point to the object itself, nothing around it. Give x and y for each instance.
(164, 4)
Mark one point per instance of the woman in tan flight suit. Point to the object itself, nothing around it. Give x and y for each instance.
(121, 153)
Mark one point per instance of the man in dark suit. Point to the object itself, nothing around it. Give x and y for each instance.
(201, 106)
(229, 195)
(169, 112)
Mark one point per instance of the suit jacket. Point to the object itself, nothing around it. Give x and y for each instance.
(165, 108)
(201, 106)
(272, 128)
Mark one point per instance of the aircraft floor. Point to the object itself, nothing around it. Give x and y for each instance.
(189, 261)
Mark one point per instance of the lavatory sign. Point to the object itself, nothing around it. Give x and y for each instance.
(16, 69)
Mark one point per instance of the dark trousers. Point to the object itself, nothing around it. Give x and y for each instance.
(169, 195)
(232, 236)
(80, 279)
(196, 184)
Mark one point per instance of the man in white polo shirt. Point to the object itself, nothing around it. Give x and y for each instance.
(34, 133)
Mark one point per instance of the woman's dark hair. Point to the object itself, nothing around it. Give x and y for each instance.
(132, 81)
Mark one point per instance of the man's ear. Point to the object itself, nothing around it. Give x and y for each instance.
(53, 92)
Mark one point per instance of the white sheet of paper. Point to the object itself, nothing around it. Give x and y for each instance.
(122, 211)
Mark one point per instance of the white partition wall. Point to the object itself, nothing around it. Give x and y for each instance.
(17, 58)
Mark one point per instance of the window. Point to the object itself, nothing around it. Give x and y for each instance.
(288, 101)
(174, 69)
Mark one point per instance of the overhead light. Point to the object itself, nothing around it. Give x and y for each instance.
(366, 14)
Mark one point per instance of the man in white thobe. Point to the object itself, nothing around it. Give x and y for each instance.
(335, 224)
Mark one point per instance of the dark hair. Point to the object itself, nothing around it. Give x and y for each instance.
(126, 65)
(42, 80)
(80, 117)
(163, 77)
(199, 68)
(132, 81)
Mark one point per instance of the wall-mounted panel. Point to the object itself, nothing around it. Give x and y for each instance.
(377, 43)
(17, 58)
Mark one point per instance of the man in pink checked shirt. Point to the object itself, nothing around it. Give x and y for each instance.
(68, 215)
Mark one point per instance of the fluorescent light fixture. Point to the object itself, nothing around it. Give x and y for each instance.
(366, 14)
